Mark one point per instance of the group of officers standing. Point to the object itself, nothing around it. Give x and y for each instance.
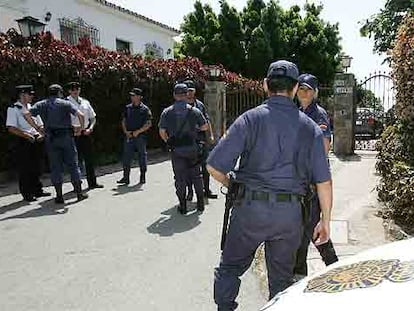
(281, 153)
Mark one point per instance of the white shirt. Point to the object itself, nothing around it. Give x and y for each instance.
(15, 118)
(85, 107)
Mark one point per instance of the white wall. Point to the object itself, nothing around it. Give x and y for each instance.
(111, 23)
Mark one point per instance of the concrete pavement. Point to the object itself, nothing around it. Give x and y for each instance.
(125, 248)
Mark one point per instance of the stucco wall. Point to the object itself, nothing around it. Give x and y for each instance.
(111, 23)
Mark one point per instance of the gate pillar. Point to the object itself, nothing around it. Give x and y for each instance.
(215, 101)
(344, 114)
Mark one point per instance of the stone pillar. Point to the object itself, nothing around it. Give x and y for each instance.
(344, 114)
(215, 101)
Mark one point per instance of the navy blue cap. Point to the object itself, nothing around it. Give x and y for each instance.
(283, 68)
(73, 85)
(25, 88)
(309, 81)
(55, 88)
(136, 92)
(180, 89)
(190, 84)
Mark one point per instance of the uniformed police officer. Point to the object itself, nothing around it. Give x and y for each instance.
(274, 142)
(83, 138)
(178, 127)
(29, 145)
(205, 139)
(308, 99)
(56, 115)
(137, 120)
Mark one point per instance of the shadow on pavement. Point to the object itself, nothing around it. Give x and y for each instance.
(171, 222)
(13, 206)
(124, 189)
(350, 158)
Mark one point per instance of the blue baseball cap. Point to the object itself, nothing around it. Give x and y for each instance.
(283, 68)
(308, 80)
(180, 89)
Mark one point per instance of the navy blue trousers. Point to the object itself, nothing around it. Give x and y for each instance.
(132, 145)
(279, 226)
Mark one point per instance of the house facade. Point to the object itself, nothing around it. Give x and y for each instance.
(106, 24)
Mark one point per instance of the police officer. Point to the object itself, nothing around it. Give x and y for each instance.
(274, 142)
(29, 145)
(205, 139)
(137, 120)
(56, 114)
(308, 99)
(83, 138)
(178, 127)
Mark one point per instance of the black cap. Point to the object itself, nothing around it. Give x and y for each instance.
(54, 89)
(190, 84)
(180, 89)
(25, 89)
(73, 85)
(283, 68)
(136, 92)
(309, 81)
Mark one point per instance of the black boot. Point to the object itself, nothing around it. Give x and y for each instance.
(59, 194)
(200, 204)
(142, 179)
(125, 179)
(78, 189)
(182, 209)
(207, 191)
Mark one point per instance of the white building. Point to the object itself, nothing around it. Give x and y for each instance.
(106, 24)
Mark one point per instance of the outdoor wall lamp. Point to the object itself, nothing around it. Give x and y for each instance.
(30, 26)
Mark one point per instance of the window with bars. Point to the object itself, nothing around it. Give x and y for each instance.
(73, 30)
(123, 46)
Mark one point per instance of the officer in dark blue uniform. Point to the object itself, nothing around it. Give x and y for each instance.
(178, 127)
(137, 120)
(205, 139)
(281, 152)
(56, 115)
(308, 99)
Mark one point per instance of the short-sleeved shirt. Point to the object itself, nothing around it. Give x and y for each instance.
(15, 118)
(200, 106)
(320, 117)
(172, 119)
(280, 149)
(55, 112)
(85, 107)
(136, 116)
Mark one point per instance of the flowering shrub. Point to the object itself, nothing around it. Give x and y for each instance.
(396, 147)
(106, 78)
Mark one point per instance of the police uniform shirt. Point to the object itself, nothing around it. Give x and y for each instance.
(136, 116)
(173, 116)
(200, 106)
(55, 112)
(15, 118)
(320, 117)
(85, 107)
(266, 139)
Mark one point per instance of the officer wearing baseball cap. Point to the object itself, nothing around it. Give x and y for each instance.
(28, 148)
(308, 100)
(136, 122)
(273, 142)
(179, 126)
(56, 114)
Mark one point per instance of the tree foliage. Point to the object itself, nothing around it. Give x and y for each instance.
(383, 26)
(247, 41)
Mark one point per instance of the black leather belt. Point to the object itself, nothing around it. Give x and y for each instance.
(269, 196)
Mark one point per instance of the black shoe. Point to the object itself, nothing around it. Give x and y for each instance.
(200, 205)
(142, 179)
(190, 196)
(82, 196)
(96, 186)
(210, 195)
(42, 194)
(59, 200)
(29, 199)
(123, 181)
(182, 208)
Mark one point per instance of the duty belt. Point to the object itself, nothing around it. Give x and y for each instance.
(270, 196)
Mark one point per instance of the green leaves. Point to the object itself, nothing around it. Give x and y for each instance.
(247, 41)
